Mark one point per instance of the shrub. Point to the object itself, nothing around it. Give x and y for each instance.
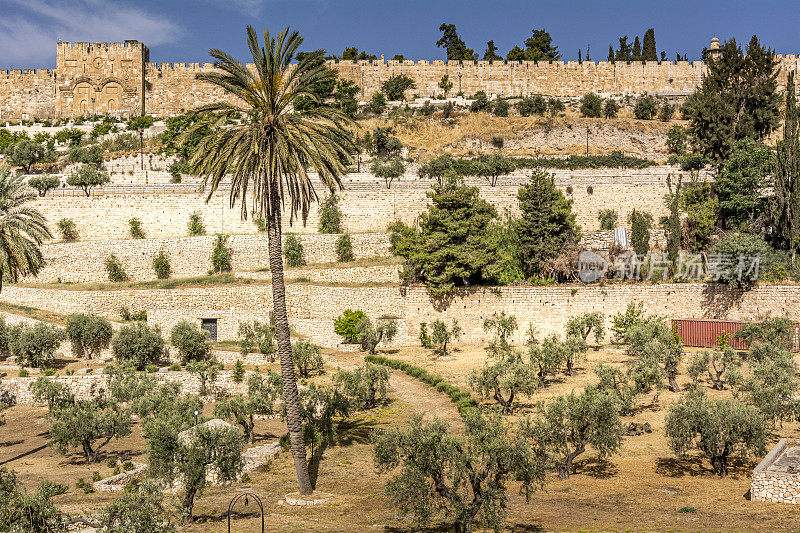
(640, 224)
(623, 321)
(35, 345)
(89, 334)
(293, 250)
(555, 106)
(729, 255)
(396, 86)
(346, 324)
(135, 226)
(68, 230)
(427, 109)
(161, 265)
(645, 108)
(344, 248)
(238, 371)
(128, 316)
(139, 345)
(221, 256)
(666, 112)
(500, 107)
(377, 104)
(190, 341)
(84, 486)
(116, 272)
(196, 226)
(330, 216)
(480, 102)
(611, 108)
(608, 218)
(532, 105)
(591, 105)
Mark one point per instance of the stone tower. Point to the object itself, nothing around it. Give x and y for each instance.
(102, 78)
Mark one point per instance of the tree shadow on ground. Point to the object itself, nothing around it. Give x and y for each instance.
(596, 468)
(439, 528)
(525, 528)
(700, 466)
(349, 431)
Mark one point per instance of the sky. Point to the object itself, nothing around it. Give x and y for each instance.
(184, 30)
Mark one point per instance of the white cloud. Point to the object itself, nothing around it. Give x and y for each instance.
(29, 29)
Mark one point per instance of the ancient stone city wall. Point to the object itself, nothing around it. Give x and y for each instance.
(366, 206)
(112, 77)
(313, 308)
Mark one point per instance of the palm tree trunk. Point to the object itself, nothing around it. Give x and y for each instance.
(291, 398)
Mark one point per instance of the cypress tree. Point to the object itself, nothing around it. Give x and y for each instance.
(786, 201)
(649, 46)
(636, 55)
(611, 53)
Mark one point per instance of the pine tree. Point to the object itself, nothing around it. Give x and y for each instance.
(649, 52)
(491, 52)
(738, 98)
(785, 209)
(624, 52)
(610, 53)
(636, 54)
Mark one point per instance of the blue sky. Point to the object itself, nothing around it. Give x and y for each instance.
(184, 30)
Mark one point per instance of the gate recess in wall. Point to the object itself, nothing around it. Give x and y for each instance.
(705, 333)
(210, 326)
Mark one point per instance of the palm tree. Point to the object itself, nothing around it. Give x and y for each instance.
(256, 138)
(22, 229)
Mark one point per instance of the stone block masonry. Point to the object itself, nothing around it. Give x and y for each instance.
(366, 206)
(313, 308)
(777, 477)
(84, 261)
(117, 78)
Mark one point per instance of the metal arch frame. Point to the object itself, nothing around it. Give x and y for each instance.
(245, 495)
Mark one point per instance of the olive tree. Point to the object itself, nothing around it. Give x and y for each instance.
(35, 345)
(44, 183)
(369, 336)
(260, 400)
(464, 477)
(140, 508)
(139, 345)
(721, 366)
(771, 385)
(21, 510)
(257, 335)
(89, 425)
(89, 334)
(568, 424)
(307, 357)
(190, 341)
(546, 358)
(364, 385)
(719, 428)
(440, 336)
(504, 376)
(206, 369)
(656, 351)
(188, 459)
(582, 326)
(87, 177)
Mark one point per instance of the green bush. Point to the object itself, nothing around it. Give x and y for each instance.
(161, 265)
(591, 106)
(346, 324)
(196, 226)
(330, 216)
(221, 256)
(68, 230)
(35, 345)
(139, 345)
(116, 272)
(532, 105)
(645, 108)
(640, 224)
(666, 112)
(344, 248)
(608, 219)
(611, 108)
(191, 342)
(238, 371)
(500, 107)
(480, 102)
(89, 334)
(293, 250)
(136, 230)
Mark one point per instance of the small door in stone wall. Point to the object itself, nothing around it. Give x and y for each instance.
(210, 326)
